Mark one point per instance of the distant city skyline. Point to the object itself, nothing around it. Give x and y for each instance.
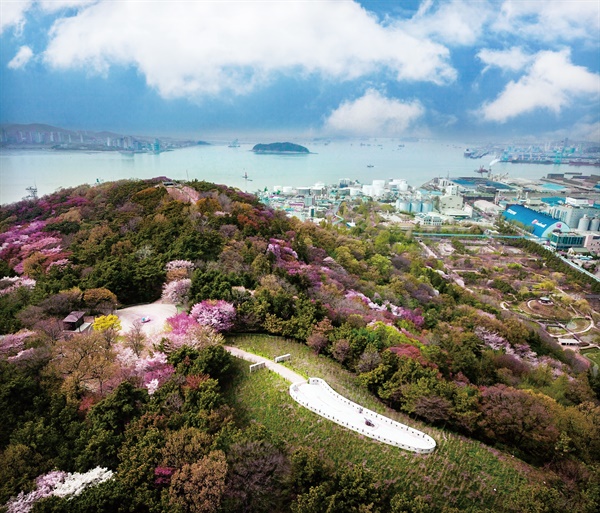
(456, 69)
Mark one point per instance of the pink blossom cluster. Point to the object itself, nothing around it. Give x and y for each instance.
(61, 264)
(152, 370)
(179, 264)
(10, 284)
(413, 316)
(281, 250)
(58, 484)
(177, 291)
(218, 314)
(20, 242)
(162, 475)
(186, 331)
(521, 352)
(24, 356)
(13, 343)
(181, 323)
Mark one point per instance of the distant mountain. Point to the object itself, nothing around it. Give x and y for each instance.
(278, 147)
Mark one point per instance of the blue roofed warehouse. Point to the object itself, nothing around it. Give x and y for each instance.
(541, 225)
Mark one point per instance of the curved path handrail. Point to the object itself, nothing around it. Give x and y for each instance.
(317, 396)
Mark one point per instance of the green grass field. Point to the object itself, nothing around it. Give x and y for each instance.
(461, 472)
(592, 354)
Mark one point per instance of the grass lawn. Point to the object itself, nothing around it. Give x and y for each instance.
(461, 472)
(593, 354)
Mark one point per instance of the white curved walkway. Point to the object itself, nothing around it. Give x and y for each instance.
(317, 396)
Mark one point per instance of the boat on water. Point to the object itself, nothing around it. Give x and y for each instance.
(370, 165)
(234, 144)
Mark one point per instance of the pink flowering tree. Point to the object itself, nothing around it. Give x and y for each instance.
(177, 291)
(14, 343)
(11, 284)
(152, 370)
(217, 314)
(186, 331)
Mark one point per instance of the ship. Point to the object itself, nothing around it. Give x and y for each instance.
(584, 162)
(234, 144)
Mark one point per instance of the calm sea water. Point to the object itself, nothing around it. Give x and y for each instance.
(416, 162)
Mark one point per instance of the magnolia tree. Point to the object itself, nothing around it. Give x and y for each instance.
(57, 484)
(217, 314)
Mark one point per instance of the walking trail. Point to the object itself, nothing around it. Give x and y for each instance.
(316, 395)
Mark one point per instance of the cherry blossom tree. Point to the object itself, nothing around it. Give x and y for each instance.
(217, 314)
(177, 291)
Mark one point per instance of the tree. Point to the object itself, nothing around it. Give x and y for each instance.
(520, 418)
(317, 342)
(100, 300)
(177, 291)
(185, 446)
(109, 326)
(217, 314)
(135, 338)
(199, 487)
(84, 361)
(256, 479)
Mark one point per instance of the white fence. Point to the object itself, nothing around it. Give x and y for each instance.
(426, 447)
(283, 358)
(256, 366)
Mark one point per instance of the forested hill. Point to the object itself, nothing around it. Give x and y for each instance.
(285, 147)
(142, 417)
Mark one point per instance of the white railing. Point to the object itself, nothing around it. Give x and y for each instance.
(427, 446)
(256, 366)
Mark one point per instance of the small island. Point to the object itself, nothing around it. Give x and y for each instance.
(285, 147)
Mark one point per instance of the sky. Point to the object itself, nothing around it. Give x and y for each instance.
(450, 69)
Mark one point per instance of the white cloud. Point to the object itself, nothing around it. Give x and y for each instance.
(556, 20)
(374, 115)
(457, 22)
(21, 58)
(12, 13)
(196, 48)
(514, 59)
(57, 5)
(583, 130)
(552, 83)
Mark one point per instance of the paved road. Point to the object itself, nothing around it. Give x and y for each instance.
(283, 371)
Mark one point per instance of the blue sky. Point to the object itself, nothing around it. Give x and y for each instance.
(455, 69)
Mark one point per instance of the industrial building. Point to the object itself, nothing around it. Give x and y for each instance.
(564, 241)
(541, 225)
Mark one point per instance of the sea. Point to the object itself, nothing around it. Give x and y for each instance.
(329, 161)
